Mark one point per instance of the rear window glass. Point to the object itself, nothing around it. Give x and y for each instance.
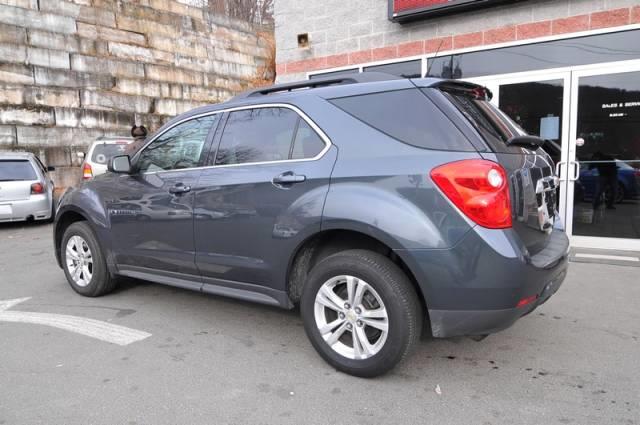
(11, 170)
(103, 152)
(495, 127)
(408, 116)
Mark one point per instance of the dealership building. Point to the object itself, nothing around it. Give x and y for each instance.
(567, 70)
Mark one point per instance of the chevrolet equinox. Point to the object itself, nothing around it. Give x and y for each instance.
(374, 203)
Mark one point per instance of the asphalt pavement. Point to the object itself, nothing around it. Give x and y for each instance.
(211, 360)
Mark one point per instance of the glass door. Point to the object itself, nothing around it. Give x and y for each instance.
(604, 158)
(539, 103)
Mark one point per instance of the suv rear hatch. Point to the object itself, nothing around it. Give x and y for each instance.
(16, 176)
(530, 170)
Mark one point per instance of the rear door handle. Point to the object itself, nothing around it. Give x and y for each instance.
(289, 178)
(179, 188)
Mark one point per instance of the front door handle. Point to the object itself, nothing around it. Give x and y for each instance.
(179, 189)
(289, 178)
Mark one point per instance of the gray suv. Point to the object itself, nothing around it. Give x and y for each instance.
(377, 205)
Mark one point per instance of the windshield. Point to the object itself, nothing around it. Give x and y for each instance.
(12, 170)
(103, 152)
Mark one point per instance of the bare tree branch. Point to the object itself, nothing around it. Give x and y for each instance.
(254, 11)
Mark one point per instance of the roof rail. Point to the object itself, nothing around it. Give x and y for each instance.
(354, 78)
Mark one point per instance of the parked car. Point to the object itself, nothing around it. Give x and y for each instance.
(100, 151)
(26, 188)
(627, 176)
(374, 203)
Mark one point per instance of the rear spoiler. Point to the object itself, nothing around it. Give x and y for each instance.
(456, 86)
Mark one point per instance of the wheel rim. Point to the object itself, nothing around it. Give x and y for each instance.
(351, 317)
(79, 261)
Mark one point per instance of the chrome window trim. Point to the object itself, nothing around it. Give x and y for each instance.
(301, 114)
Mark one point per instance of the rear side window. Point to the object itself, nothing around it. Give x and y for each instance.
(103, 152)
(257, 135)
(14, 170)
(307, 143)
(408, 116)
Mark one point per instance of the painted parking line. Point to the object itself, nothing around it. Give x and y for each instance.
(607, 257)
(97, 329)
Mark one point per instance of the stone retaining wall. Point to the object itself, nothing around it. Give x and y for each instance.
(75, 70)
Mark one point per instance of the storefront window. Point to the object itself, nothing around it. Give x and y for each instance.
(607, 193)
(409, 69)
(601, 48)
(334, 73)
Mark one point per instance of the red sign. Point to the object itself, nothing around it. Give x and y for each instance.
(408, 10)
(400, 5)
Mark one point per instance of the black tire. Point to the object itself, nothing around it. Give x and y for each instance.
(101, 281)
(398, 296)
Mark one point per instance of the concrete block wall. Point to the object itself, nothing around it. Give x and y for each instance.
(74, 70)
(343, 33)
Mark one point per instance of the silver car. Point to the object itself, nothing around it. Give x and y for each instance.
(100, 151)
(26, 188)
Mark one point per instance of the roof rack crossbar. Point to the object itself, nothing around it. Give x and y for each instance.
(354, 78)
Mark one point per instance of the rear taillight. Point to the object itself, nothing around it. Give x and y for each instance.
(37, 189)
(87, 173)
(479, 189)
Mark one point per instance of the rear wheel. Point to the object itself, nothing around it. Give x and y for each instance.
(360, 312)
(84, 263)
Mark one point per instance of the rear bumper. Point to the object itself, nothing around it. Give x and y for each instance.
(447, 323)
(37, 207)
(474, 287)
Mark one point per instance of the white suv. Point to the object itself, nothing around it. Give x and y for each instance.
(100, 151)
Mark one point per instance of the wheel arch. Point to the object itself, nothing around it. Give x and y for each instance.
(331, 241)
(65, 218)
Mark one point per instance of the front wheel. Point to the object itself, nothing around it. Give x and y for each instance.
(361, 312)
(84, 263)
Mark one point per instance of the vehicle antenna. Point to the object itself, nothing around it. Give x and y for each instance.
(435, 56)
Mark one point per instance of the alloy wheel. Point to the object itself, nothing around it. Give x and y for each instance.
(79, 260)
(351, 317)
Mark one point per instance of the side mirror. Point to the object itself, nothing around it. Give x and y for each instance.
(120, 164)
(51, 168)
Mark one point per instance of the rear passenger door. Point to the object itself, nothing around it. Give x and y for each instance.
(261, 196)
